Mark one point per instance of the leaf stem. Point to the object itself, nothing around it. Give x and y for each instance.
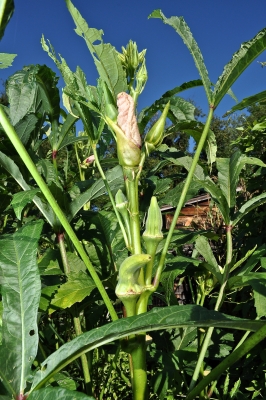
(182, 198)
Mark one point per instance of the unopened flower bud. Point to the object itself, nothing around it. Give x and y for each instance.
(155, 135)
(153, 235)
(141, 78)
(109, 107)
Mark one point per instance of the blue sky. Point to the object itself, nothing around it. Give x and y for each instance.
(219, 27)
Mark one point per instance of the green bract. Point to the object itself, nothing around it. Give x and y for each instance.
(155, 135)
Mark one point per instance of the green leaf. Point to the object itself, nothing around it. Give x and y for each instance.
(58, 393)
(105, 57)
(6, 60)
(259, 291)
(21, 199)
(186, 162)
(184, 86)
(229, 171)
(158, 318)
(248, 101)
(46, 297)
(78, 286)
(248, 206)
(114, 177)
(180, 110)
(7, 8)
(180, 26)
(217, 196)
(21, 288)
(112, 238)
(48, 264)
(25, 127)
(172, 196)
(33, 89)
(14, 171)
(239, 62)
(204, 248)
(253, 260)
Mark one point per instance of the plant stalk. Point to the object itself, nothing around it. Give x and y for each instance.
(183, 197)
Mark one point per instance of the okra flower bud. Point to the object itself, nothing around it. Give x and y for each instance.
(153, 232)
(155, 135)
(141, 77)
(127, 131)
(109, 106)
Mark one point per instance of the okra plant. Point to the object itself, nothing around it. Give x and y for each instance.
(108, 257)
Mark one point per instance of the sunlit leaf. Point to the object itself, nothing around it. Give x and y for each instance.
(105, 57)
(6, 11)
(180, 26)
(239, 62)
(78, 286)
(248, 101)
(6, 60)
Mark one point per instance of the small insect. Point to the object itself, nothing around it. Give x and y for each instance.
(263, 64)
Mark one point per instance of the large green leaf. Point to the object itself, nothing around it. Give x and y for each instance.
(248, 101)
(58, 393)
(21, 288)
(14, 171)
(33, 89)
(6, 11)
(229, 171)
(25, 126)
(239, 62)
(158, 318)
(115, 179)
(180, 26)
(105, 57)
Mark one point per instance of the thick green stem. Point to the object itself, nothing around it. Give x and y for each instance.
(248, 345)
(182, 198)
(132, 195)
(15, 140)
(219, 302)
(139, 382)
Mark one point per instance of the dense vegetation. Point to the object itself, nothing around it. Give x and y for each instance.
(84, 255)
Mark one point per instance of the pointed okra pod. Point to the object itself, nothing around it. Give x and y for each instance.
(155, 135)
(153, 235)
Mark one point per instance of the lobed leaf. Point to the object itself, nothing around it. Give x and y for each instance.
(105, 57)
(180, 26)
